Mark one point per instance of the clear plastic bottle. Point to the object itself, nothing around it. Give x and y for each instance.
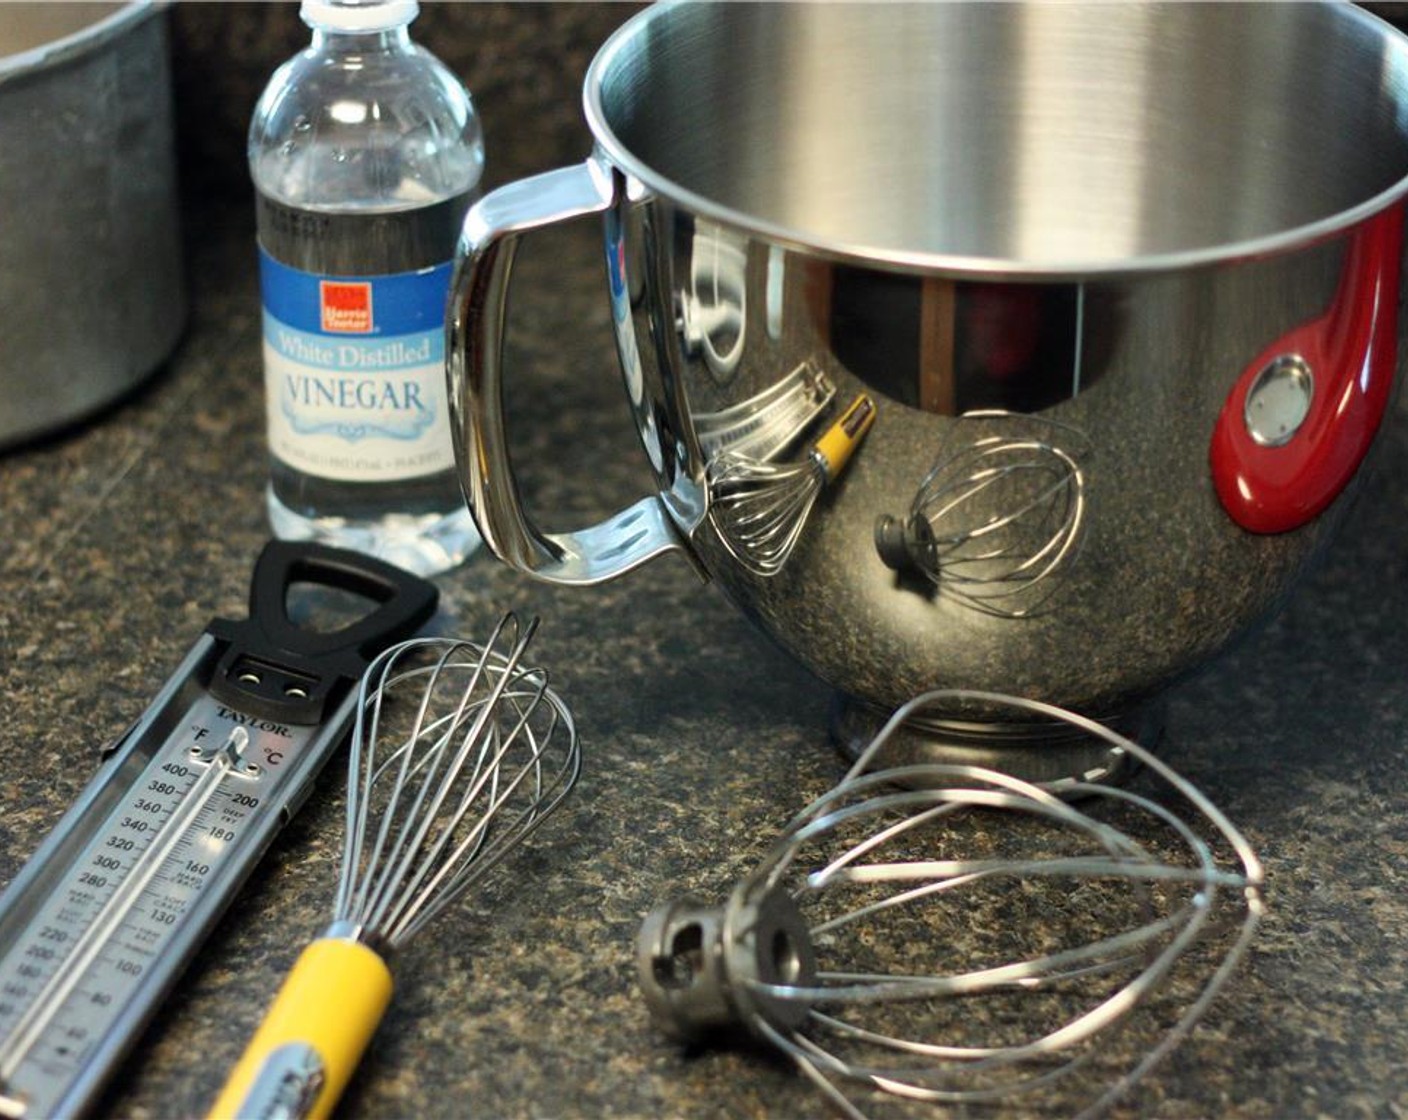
(365, 153)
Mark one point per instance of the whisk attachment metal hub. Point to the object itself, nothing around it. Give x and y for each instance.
(704, 968)
(905, 546)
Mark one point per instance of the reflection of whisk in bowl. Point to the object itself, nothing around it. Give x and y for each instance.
(458, 753)
(760, 508)
(946, 933)
(999, 515)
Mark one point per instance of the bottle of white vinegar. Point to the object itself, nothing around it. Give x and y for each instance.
(365, 153)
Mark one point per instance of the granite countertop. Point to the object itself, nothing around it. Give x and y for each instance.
(124, 537)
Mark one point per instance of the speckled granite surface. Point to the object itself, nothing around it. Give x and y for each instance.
(123, 538)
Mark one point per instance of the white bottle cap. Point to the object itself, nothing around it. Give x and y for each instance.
(358, 15)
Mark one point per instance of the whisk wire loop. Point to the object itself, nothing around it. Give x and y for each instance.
(899, 789)
(469, 778)
(471, 857)
(1246, 854)
(419, 856)
(406, 820)
(1060, 501)
(1016, 794)
(919, 1083)
(987, 559)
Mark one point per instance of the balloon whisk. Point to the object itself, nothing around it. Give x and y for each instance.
(459, 752)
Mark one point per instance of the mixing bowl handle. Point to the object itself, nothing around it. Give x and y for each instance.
(1304, 412)
(474, 350)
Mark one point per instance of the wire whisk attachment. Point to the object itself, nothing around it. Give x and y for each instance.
(1000, 515)
(946, 933)
(458, 753)
(760, 508)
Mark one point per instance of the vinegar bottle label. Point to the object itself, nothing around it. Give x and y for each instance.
(354, 370)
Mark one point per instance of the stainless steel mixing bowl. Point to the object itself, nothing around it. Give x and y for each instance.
(1156, 247)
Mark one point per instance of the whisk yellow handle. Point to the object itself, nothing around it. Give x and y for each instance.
(843, 437)
(305, 1050)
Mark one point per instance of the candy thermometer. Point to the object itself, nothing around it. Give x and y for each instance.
(103, 918)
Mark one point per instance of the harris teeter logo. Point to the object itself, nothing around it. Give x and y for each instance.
(346, 306)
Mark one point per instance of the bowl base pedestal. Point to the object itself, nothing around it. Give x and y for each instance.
(1044, 753)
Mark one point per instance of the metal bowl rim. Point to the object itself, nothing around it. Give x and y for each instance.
(1294, 239)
